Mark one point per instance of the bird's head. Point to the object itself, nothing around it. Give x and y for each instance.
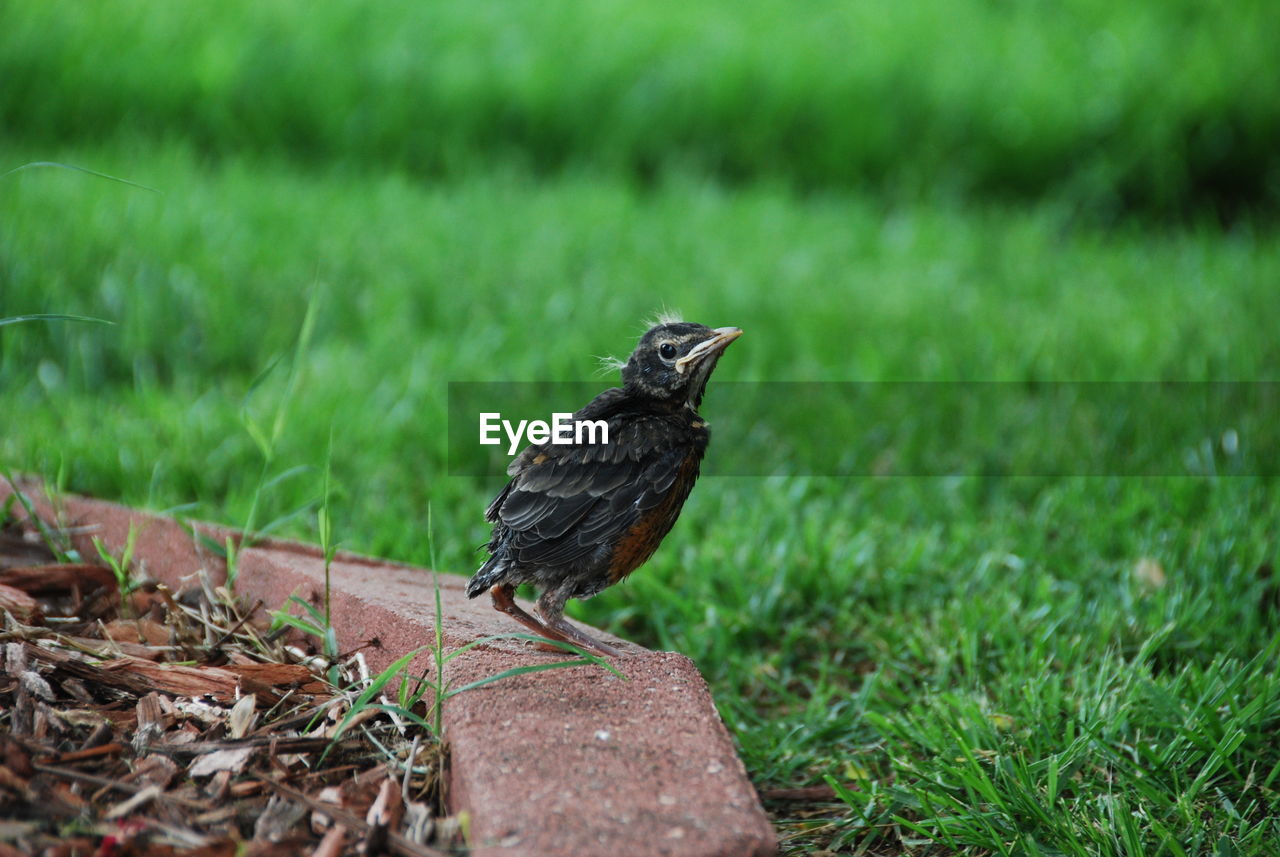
(674, 360)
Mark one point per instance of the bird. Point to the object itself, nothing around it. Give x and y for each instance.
(576, 518)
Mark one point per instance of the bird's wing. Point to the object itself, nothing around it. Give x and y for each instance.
(567, 500)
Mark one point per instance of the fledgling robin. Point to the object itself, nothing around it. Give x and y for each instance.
(576, 518)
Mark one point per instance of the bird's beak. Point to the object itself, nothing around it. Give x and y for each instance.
(711, 347)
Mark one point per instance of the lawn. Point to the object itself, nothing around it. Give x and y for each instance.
(985, 657)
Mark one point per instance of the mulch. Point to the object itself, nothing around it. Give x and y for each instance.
(136, 720)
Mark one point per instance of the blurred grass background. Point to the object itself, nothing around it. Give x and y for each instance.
(1162, 108)
(1012, 191)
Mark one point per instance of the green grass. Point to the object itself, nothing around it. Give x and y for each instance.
(978, 653)
(1152, 106)
(1034, 664)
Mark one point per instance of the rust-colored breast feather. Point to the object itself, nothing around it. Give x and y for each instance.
(639, 542)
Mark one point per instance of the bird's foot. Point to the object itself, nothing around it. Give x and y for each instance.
(566, 633)
(557, 629)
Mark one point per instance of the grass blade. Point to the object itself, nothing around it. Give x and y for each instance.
(55, 165)
(50, 316)
(510, 673)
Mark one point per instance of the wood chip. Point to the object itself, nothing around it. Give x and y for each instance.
(111, 749)
(33, 683)
(15, 659)
(222, 683)
(143, 631)
(11, 782)
(23, 607)
(278, 819)
(333, 842)
(50, 579)
(232, 760)
(285, 744)
(396, 844)
(320, 820)
(220, 786)
(383, 817)
(101, 733)
(142, 798)
(76, 689)
(152, 721)
(242, 717)
(155, 770)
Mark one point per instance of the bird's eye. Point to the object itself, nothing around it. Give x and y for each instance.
(667, 351)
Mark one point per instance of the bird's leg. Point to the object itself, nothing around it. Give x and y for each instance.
(554, 627)
(551, 609)
(505, 603)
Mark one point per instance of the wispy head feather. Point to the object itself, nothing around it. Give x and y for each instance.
(609, 364)
(666, 315)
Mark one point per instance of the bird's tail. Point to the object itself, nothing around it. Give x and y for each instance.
(487, 575)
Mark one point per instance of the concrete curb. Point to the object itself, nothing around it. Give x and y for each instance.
(562, 762)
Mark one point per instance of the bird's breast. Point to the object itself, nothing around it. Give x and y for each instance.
(640, 541)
